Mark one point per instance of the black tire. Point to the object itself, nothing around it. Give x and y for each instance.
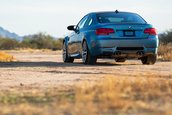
(66, 57)
(86, 56)
(149, 60)
(120, 59)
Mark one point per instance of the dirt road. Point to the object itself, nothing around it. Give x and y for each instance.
(37, 69)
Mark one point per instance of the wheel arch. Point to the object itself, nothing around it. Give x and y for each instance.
(87, 39)
(83, 40)
(65, 40)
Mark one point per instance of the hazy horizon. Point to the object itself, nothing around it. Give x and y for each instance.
(53, 16)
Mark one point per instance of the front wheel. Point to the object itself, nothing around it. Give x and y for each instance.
(149, 60)
(87, 58)
(66, 57)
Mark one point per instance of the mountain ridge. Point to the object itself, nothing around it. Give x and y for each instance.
(7, 34)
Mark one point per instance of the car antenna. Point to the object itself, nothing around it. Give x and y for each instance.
(116, 11)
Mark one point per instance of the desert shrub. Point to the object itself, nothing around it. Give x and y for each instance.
(41, 41)
(38, 41)
(57, 44)
(8, 44)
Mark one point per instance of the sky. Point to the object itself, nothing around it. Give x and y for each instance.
(26, 17)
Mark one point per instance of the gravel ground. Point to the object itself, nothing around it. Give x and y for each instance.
(45, 69)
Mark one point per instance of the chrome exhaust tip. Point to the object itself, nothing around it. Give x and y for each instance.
(117, 53)
(140, 53)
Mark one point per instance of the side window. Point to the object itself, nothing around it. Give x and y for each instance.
(90, 22)
(82, 23)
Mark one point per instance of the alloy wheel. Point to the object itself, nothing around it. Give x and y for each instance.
(64, 52)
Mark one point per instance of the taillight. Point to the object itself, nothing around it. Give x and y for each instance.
(150, 31)
(104, 31)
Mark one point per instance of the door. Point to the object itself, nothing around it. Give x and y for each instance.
(71, 42)
(84, 30)
(74, 38)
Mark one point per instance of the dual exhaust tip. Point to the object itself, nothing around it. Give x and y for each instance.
(117, 53)
(139, 53)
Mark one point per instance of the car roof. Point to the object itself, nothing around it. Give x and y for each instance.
(111, 12)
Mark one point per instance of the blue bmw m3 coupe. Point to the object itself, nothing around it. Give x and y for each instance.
(117, 35)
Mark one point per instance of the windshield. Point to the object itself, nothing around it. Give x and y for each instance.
(119, 18)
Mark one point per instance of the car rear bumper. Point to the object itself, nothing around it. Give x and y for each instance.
(113, 52)
(125, 48)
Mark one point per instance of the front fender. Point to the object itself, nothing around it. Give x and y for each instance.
(65, 40)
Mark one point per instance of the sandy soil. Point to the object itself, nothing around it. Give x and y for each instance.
(38, 69)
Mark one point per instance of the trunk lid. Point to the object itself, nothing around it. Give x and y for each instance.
(128, 30)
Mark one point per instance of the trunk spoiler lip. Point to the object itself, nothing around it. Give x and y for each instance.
(107, 24)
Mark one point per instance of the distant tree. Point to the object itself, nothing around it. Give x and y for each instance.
(41, 41)
(36, 41)
(57, 44)
(8, 44)
(26, 43)
(166, 37)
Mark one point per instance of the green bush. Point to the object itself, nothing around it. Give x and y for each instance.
(41, 41)
(36, 41)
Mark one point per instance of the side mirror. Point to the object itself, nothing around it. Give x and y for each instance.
(72, 27)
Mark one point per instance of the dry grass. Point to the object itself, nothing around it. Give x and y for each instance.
(29, 50)
(165, 52)
(5, 57)
(34, 50)
(113, 95)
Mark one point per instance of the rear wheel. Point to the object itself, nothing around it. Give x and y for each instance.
(149, 60)
(87, 58)
(66, 57)
(120, 60)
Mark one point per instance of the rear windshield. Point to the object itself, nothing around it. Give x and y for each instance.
(119, 18)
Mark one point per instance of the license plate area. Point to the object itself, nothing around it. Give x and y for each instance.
(129, 33)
